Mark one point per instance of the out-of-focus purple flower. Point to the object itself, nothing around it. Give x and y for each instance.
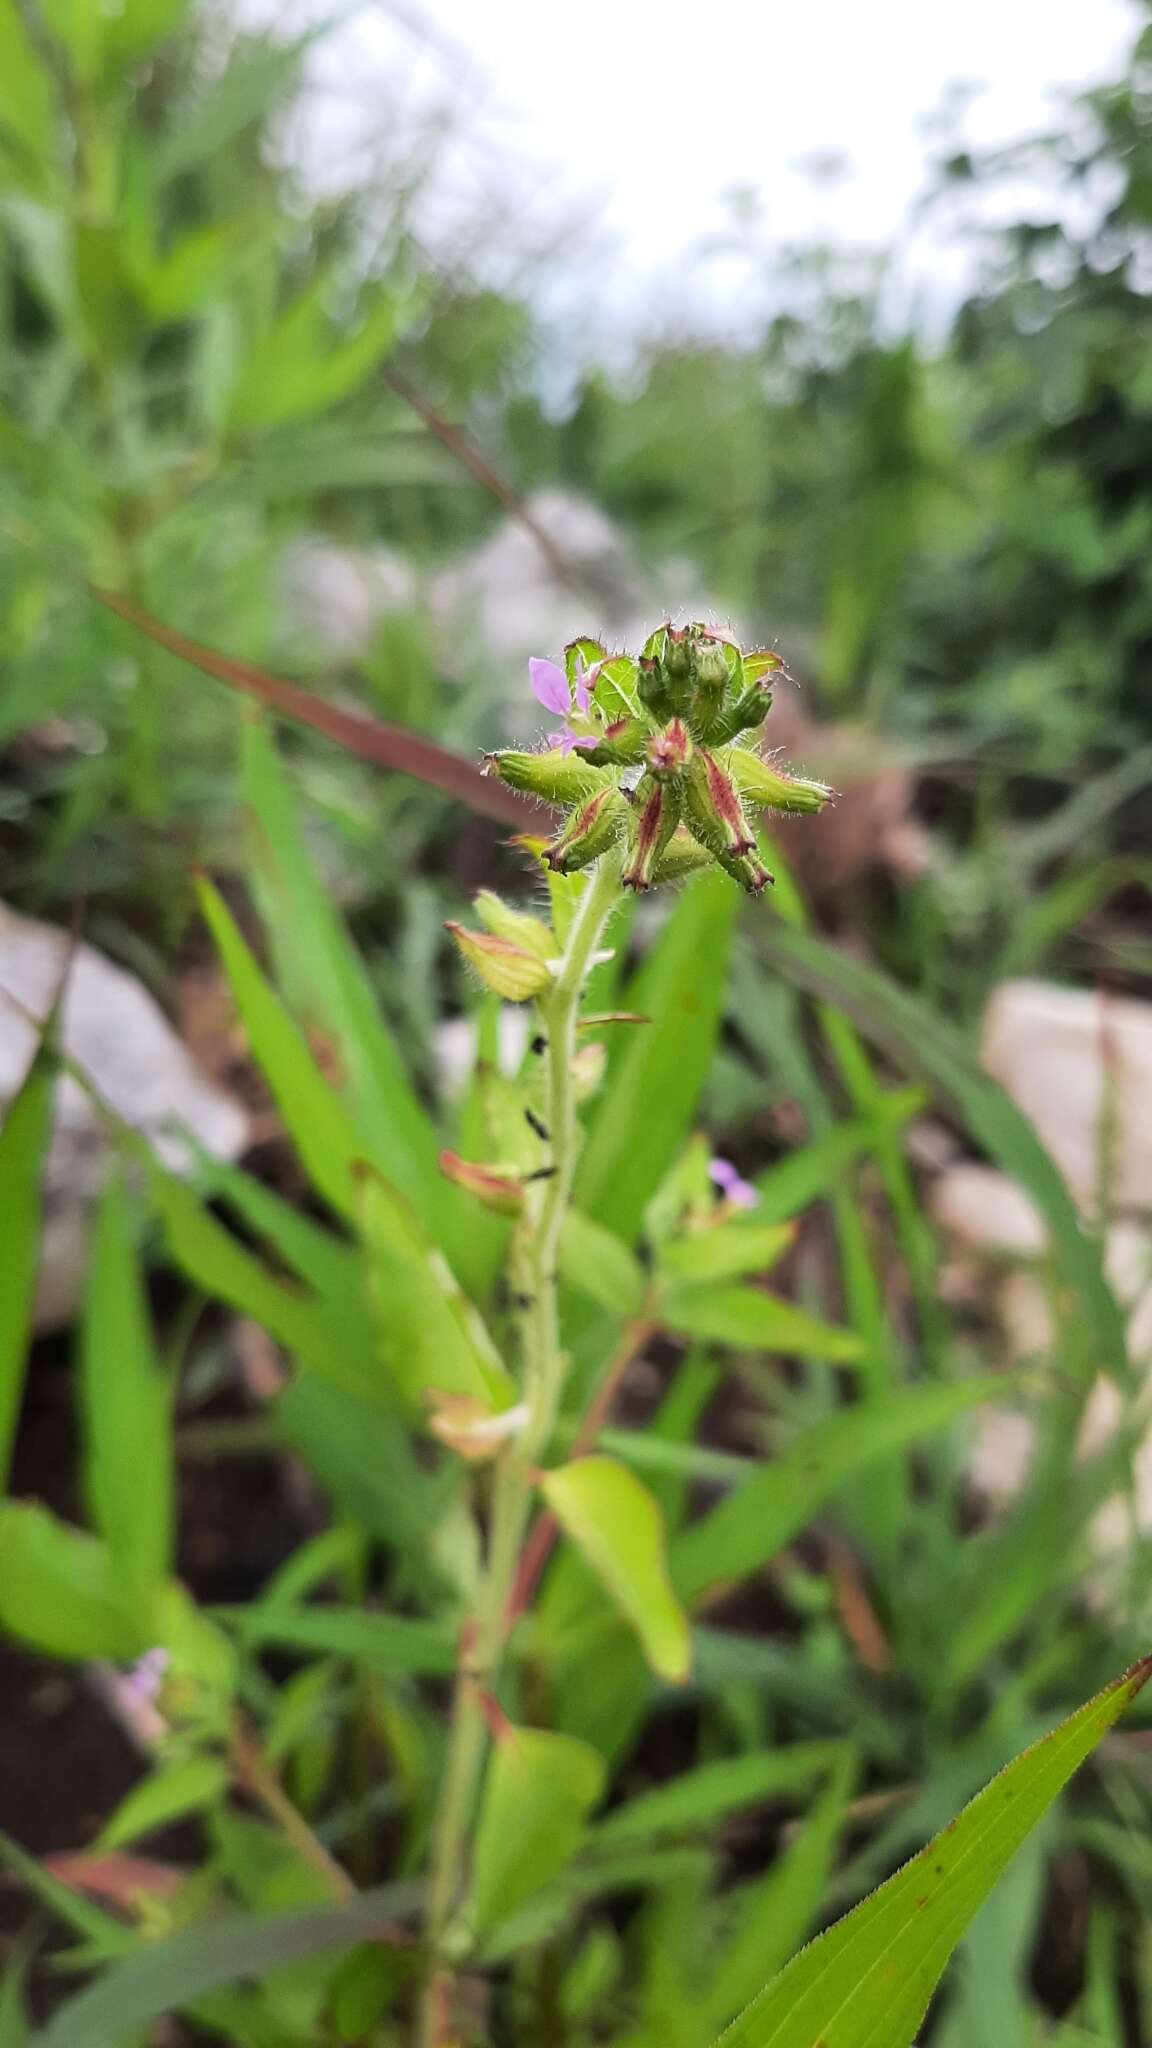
(731, 1184)
(142, 1683)
(551, 688)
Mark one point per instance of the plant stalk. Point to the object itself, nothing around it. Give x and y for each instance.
(515, 1471)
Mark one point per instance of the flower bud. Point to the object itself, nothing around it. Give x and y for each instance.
(621, 744)
(748, 711)
(747, 870)
(670, 750)
(493, 1186)
(761, 783)
(595, 827)
(470, 1429)
(517, 925)
(683, 856)
(658, 807)
(555, 777)
(507, 969)
(712, 808)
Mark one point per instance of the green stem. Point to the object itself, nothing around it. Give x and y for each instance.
(515, 1472)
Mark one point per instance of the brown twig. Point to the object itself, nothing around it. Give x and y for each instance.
(389, 746)
(473, 459)
(256, 1776)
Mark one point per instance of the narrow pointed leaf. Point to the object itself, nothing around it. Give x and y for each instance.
(866, 1983)
(757, 1519)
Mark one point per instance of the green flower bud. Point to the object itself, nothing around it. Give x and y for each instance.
(712, 809)
(657, 816)
(747, 870)
(554, 776)
(743, 715)
(517, 925)
(683, 856)
(595, 827)
(507, 969)
(761, 783)
(622, 744)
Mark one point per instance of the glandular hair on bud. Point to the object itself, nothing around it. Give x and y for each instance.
(772, 788)
(555, 777)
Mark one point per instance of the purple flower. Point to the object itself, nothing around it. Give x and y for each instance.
(736, 1190)
(142, 1683)
(550, 688)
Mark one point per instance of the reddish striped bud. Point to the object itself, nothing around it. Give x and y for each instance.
(712, 809)
(657, 816)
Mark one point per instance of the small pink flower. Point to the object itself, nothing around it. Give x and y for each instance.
(739, 1192)
(551, 689)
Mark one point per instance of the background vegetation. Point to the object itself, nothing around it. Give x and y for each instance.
(200, 364)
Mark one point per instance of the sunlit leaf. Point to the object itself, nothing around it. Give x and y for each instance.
(617, 1526)
(538, 1793)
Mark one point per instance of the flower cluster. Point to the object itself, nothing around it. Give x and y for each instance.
(650, 753)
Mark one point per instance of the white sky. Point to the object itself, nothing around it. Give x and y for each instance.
(629, 120)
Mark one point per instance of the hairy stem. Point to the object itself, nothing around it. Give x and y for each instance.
(515, 1471)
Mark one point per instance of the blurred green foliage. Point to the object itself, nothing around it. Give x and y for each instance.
(950, 537)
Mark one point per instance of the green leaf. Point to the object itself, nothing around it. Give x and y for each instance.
(618, 1528)
(866, 1983)
(245, 90)
(927, 1047)
(23, 1138)
(319, 966)
(390, 1643)
(304, 365)
(165, 1976)
(539, 1790)
(226, 1269)
(747, 1529)
(127, 1428)
(748, 1318)
(62, 1591)
(434, 1339)
(726, 1251)
(171, 1793)
(700, 1799)
(596, 1263)
(649, 1103)
(773, 1913)
(321, 1127)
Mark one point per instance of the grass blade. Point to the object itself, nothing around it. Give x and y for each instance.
(928, 1048)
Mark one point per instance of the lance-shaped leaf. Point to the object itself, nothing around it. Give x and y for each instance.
(538, 1793)
(866, 1983)
(617, 1525)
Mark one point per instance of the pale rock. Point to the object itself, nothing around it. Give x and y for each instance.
(1079, 1064)
(116, 1035)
